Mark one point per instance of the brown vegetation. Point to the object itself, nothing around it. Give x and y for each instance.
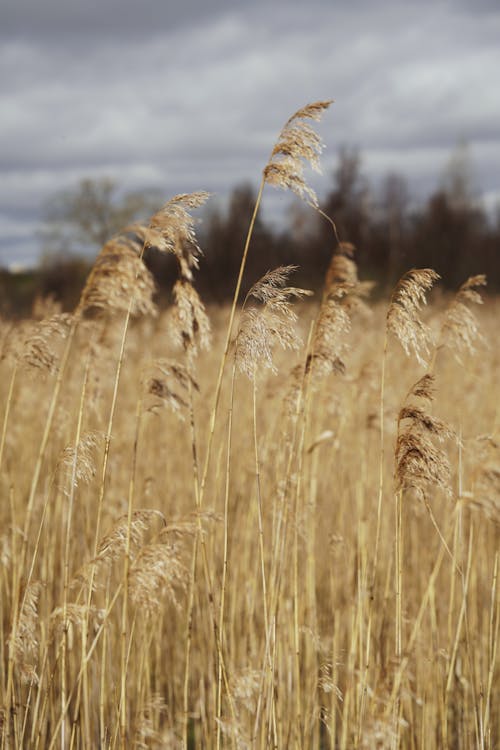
(263, 526)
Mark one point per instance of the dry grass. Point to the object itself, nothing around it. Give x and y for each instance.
(280, 533)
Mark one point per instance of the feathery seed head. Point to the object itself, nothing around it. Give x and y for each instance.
(298, 143)
(36, 353)
(329, 344)
(78, 464)
(114, 544)
(157, 570)
(424, 388)
(24, 645)
(261, 329)
(419, 463)
(403, 313)
(119, 279)
(191, 326)
(460, 330)
(165, 383)
(171, 229)
(74, 614)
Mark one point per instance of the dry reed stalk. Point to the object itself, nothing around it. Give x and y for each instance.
(18, 601)
(261, 329)
(79, 459)
(402, 320)
(131, 290)
(297, 143)
(37, 353)
(494, 634)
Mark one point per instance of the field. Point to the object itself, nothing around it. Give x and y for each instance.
(266, 525)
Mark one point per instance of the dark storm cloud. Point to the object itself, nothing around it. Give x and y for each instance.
(110, 17)
(191, 95)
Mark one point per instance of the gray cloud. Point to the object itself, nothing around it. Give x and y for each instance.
(191, 95)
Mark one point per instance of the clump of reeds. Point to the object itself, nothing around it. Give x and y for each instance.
(274, 626)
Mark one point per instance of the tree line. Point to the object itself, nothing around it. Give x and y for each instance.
(450, 232)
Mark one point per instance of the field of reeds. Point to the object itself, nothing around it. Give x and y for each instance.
(272, 525)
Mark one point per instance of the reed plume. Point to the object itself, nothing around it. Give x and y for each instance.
(36, 354)
(272, 324)
(23, 647)
(190, 329)
(298, 144)
(329, 342)
(157, 571)
(74, 615)
(485, 496)
(167, 385)
(420, 463)
(114, 544)
(119, 281)
(171, 230)
(460, 330)
(403, 314)
(78, 463)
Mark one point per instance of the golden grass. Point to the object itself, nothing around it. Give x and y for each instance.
(282, 536)
(311, 663)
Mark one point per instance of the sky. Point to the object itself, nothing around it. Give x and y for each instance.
(184, 95)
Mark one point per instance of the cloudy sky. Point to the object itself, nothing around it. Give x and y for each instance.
(186, 95)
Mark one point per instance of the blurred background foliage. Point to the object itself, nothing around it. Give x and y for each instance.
(451, 232)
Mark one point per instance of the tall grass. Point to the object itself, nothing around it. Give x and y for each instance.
(280, 532)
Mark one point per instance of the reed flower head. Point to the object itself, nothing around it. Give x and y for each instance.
(190, 327)
(274, 323)
(329, 342)
(119, 280)
(168, 384)
(74, 615)
(420, 463)
(486, 477)
(24, 644)
(147, 734)
(460, 331)
(171, 230)
(77, 464)
(36, 353)
(342, 268)
(157, 571)
(298, 144)
(403, 314)
(114, 544)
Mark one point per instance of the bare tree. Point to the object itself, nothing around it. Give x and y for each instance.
(82, 219)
